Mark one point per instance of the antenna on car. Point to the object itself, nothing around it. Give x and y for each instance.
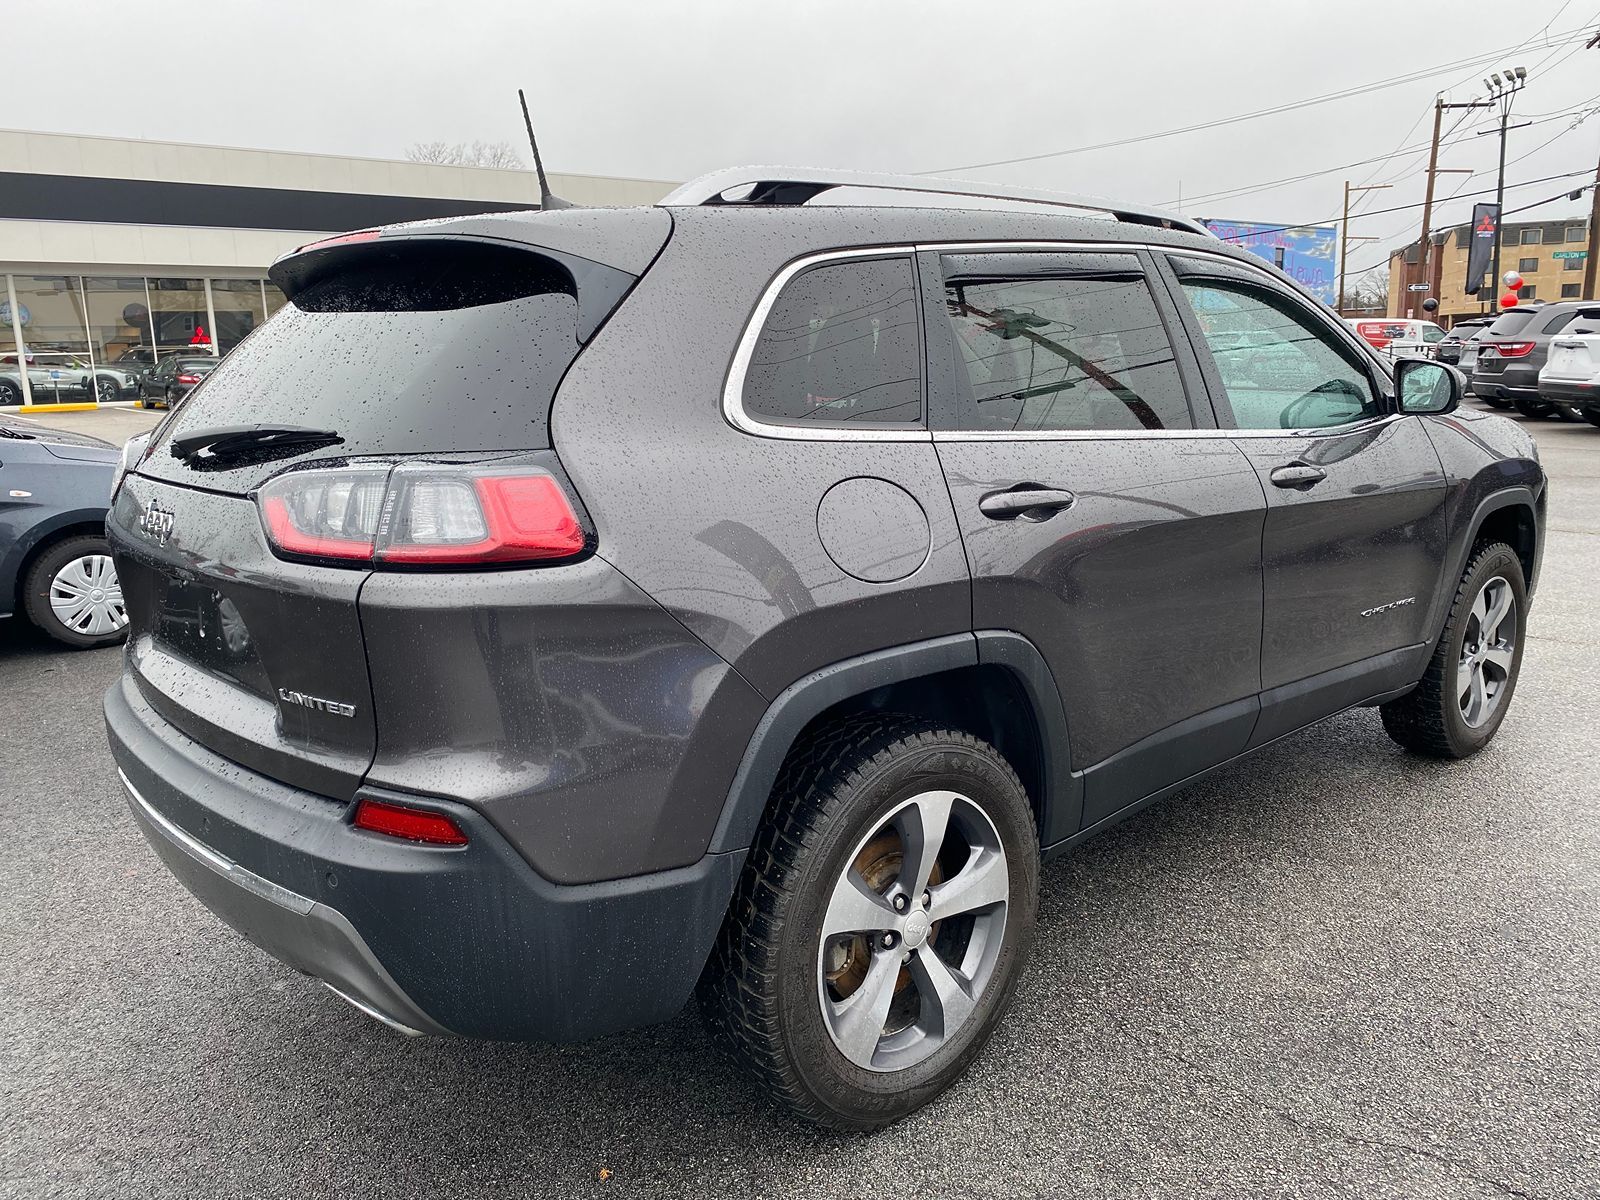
(547, 198)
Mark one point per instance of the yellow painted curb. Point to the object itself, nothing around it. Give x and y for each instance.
(49, 408)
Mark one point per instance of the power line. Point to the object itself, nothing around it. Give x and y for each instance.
(1343, 94)
(1253, 189)
(1382, 212)
(1508, 212)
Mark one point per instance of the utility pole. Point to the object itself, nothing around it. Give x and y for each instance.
(1594, 215)
(1594, 237)
(1344, 236)
(1425, 242)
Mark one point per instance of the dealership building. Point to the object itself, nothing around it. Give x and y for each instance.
(115, 251)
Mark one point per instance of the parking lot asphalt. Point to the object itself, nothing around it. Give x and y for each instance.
(1330, 970)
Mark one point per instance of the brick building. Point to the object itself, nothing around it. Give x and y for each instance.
(1548, 254)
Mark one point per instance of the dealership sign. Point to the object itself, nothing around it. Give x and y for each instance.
(1485, 227)
(1304, 252)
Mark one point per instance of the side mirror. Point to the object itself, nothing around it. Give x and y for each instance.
(1426, 388)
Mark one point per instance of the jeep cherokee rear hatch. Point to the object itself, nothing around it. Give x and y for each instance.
(394, 414)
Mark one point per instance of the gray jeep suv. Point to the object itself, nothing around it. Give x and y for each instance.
(547, 616)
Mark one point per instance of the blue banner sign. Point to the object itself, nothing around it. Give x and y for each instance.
(1305, 252)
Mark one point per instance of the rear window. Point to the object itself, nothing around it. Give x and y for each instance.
(453, 347)
(1508, 323)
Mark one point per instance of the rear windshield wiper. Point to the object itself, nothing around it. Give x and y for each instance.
(223, 443)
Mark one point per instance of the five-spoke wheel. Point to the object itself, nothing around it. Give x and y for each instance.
(882, 922)
(1487, 652)
(911, 931)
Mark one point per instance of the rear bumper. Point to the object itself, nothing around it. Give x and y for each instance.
(1516, 381)
(463, 940)
(1586, 394)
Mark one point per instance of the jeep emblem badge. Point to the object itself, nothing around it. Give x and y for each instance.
(156, 522)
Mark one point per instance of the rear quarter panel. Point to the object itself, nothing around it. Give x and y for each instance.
(721, 526)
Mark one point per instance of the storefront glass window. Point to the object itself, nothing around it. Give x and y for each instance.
(119, 322)
(178, 315)
(239, 308)
(55, 338)
(275, 298)
(10, 368)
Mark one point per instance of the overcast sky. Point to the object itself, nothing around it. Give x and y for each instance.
(667, 90)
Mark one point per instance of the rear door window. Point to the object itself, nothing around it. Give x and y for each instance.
(1078, 351)
(447, 348)
(839, 347)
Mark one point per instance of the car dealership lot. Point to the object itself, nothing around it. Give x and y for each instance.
(1332, 969)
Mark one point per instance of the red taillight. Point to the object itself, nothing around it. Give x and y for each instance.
(188, 379)
(403, 821)
(1512, 349)
(502, 518)
(426, 514)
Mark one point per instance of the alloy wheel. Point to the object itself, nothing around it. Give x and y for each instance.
(912, 931)
(1487, 652)
(86, 598)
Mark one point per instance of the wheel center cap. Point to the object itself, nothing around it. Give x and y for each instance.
(97, 595)
(916, 930)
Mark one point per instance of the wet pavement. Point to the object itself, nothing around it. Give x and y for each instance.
(1331, 970)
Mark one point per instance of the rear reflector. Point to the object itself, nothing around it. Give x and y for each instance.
(403, 821)
(422, 514)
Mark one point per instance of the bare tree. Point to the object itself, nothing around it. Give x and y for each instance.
(498, 155)
(1368, 292)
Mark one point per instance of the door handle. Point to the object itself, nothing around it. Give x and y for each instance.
(1027, 500)
(1297, 475)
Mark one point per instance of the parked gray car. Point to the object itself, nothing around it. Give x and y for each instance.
(1511, 354)
(546, 617)
(55, 566)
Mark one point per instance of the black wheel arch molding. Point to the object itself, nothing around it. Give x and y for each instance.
(1056, 793)
(1529, 544)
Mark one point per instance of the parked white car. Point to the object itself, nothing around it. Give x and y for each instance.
(1397, 336)
(1570, 376)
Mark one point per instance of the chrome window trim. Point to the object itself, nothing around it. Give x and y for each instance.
(733, 389)
(734, 413)
(1126, 435)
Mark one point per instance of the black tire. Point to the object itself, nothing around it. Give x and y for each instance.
(1496, 402)
(1429, 720)
(106, 391)
(1534, 409)
(1569, 412)
(10, 393)
(1592, 415)
(762, 991)
(36, 592)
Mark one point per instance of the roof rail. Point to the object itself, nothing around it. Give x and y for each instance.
(794, 186)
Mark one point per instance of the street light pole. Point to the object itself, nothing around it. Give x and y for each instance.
(1505, 91)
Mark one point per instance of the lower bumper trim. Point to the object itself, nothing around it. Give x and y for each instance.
(310, 936)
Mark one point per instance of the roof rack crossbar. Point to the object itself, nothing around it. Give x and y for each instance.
(794, 186)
